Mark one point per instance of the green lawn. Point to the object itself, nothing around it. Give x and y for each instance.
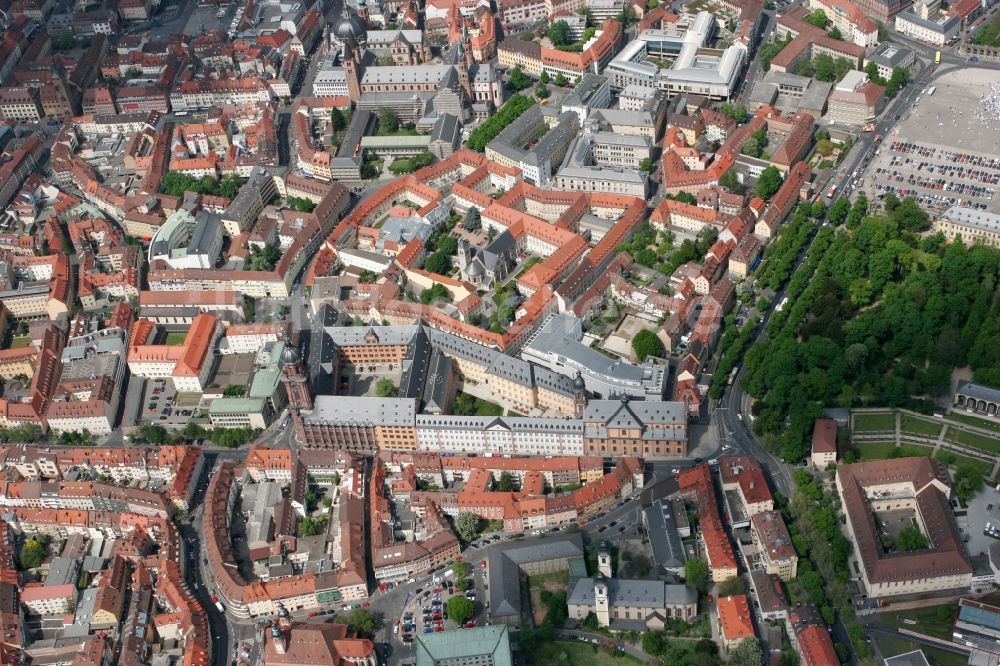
(910, 450)
(527, 265)
(487, 408)
(893, 646)
(874, 422)
(175, 338)
(578, 653)
(985, 467)
(18, 343)
(875, 450)
(931, 620)
(986, 424)
(989, 34)
(920, 426)
(794, 592)
(555, 577)
(978, 441)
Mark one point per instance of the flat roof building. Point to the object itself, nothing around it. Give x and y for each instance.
(482, 646)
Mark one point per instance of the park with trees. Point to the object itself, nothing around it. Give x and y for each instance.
(878, 315)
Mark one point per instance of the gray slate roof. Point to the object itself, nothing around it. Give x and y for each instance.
(650, 594)
(661, 526)
(505, 562)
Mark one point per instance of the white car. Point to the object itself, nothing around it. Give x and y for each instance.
(675, 470)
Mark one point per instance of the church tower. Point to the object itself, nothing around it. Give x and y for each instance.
(352, 68)
(604, 559)
(579, 397)
(463, 62)
(293, 375)
(601, 601)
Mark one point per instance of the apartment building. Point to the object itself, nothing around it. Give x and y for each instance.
(774, 545)
(824, 443)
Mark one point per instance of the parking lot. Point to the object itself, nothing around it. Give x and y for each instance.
(162, 406)
(983, 509)
(937, 178)
(206, 18)
(426, 612)
(942, 152)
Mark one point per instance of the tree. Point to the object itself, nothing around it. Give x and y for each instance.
(337, 120)
(364, 622)
(754, 146)
(506, 483)
(460, 609)
(730, 586)
(559, 33)
(747, 653)
(262, 259)
(230, 186)
(437, 263)
(542, 91)
(473, 220)
(63, 41)
(641, 565)
(968, 482)
(838, 211)
(731, 180)
(823, 64)
(646, 164)
(388, 121)
(696, 573)
(461, 569)
(467, 525)
(518, 79)
(818, 210)
(900, 77)
(817, 18)
(508, 113)
(835, 33)
(312, 526)
(300, 204)
(737, 112)
(769, 50)
(384, 388)
(654, 642)
(436, 293)
(465, 405)
(544, 77)
(627, 17)
(684, 197)
(909, 215)
(871, 69)
(33, 553)
(824, 147)
(768, 183)
(646, 344)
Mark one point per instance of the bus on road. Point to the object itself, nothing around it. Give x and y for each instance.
(937, 57)
(830, 192)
